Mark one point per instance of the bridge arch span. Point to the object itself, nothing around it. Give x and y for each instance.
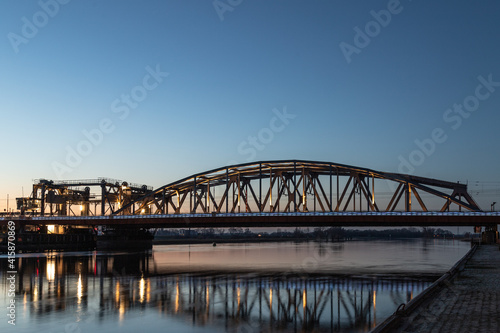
(299, 186)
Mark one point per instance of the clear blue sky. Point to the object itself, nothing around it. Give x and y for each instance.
(361, 99)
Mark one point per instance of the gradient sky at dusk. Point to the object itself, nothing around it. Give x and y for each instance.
(153, 91)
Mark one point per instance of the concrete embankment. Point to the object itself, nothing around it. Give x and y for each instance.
(465, 299)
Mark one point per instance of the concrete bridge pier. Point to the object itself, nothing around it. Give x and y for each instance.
(490, 235)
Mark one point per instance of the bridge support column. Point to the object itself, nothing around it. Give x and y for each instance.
(295, 186)
(261, 208)
(193, 197)
(408, 197)
(103, 198)
(490, 235)
(42, 197)
(227, 190)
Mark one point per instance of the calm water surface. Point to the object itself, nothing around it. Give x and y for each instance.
(266, 287)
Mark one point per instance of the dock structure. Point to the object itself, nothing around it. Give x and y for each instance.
(465, 300)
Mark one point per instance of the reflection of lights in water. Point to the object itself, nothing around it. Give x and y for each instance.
(238, 291)
(304, 299)
(374, 299)
(117, 292)
(94, 262)
(119, 305)
(177, 298)
(121, 312)
(148, 291)
(208, 295)
(141, 290)
(51, 269)
(111, 262)
(271, 298)
(79, 289)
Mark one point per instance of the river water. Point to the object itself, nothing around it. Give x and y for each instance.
(247, 287)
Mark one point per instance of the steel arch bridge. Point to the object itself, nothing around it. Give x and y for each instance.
(298, 186)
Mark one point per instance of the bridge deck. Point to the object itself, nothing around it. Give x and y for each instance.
(331, 219)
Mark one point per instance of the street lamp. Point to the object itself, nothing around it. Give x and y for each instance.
(493, 206)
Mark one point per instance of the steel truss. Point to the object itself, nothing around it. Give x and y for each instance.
(58, 197)
(295, 186)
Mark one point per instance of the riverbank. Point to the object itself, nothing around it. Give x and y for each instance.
(172, 241)
(179, 241)
(466, 302)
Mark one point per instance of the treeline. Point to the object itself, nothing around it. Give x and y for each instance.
(333, 233)
(400, 233)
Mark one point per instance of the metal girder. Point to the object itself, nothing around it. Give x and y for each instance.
(419, 199)
(317, 184)
(58, 197)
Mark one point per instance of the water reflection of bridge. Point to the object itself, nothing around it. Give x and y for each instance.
(302, 304)
(98, 288)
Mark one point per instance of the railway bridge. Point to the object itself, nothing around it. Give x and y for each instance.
(259, 194)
